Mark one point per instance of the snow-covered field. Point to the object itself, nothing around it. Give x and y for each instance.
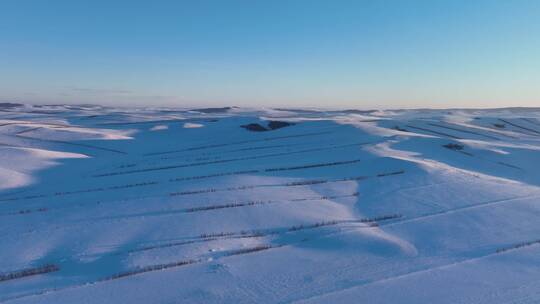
(111, 205)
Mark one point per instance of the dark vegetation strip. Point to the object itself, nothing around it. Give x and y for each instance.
(237, 143)
(200, 156)
(531, 121)
(26, 211)
(266, 232)
(520, 127)
(159, 267)
(219, 153)
(149, 269)
(224, 206)
(261, 148)
(225, 160)
(178, 179)
(249, 187)
(499, 130)
(336, 222)
(518, 246)
(313, 166)
(28, 272)
(197, 177)
(206, 237)
(464, 131)
(168, 245)
(28, 130)
(288, 184)
(459, 148)
(260, 233)
(203, 208)
(62, 193)
(433, 132)
(144, 122)
(254, 203)
(391, 173)
(72, 144)
(35, 123)
(251, 250)
(127, 186)
(213, 236)
(509, 165)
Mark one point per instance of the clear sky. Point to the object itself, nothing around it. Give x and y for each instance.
(355, 54)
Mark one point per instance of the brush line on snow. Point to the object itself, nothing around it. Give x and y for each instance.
(531, 121)
(214, 236)
(226, 160)
(72, 144)
(27, 272)
(520, 127)
(146, 269)
(197, 177)
(288, 184)
(238, 143)
(219, 154)
(434, 132)
(463, 131)
(518, 246)
(254, 203)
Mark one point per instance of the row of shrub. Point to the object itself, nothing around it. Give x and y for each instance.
(167, 167)
(463, 131)
(337, 163)
(231, 205)
(300, 183)
(159, 267)
(518, 245)
(391, 173)
(28, 272)
(62, 193)
(247, 187)
(212, 236)
(336, 222)
(197, 177)
(72, 144)
(236, 143)
(149, 269)
(287, 184)
(521, 127)
(250, 250)
(434, 132)
(166, 245)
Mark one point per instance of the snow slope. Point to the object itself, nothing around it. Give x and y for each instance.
(161, 205)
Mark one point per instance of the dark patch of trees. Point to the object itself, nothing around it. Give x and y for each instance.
(272, 125)
(400, 129)
(455, 147)
(276, 124)
(213, 110)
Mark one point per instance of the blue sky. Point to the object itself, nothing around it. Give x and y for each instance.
(357, 54)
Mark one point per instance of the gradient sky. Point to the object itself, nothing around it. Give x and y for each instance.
(354, 54)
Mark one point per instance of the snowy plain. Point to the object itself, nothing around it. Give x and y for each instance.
(164, 205)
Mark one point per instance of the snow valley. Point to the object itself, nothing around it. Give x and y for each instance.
(235, 205)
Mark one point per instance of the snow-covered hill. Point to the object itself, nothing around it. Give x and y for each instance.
(231, 205)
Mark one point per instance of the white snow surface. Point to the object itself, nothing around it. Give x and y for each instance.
(401, 206)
